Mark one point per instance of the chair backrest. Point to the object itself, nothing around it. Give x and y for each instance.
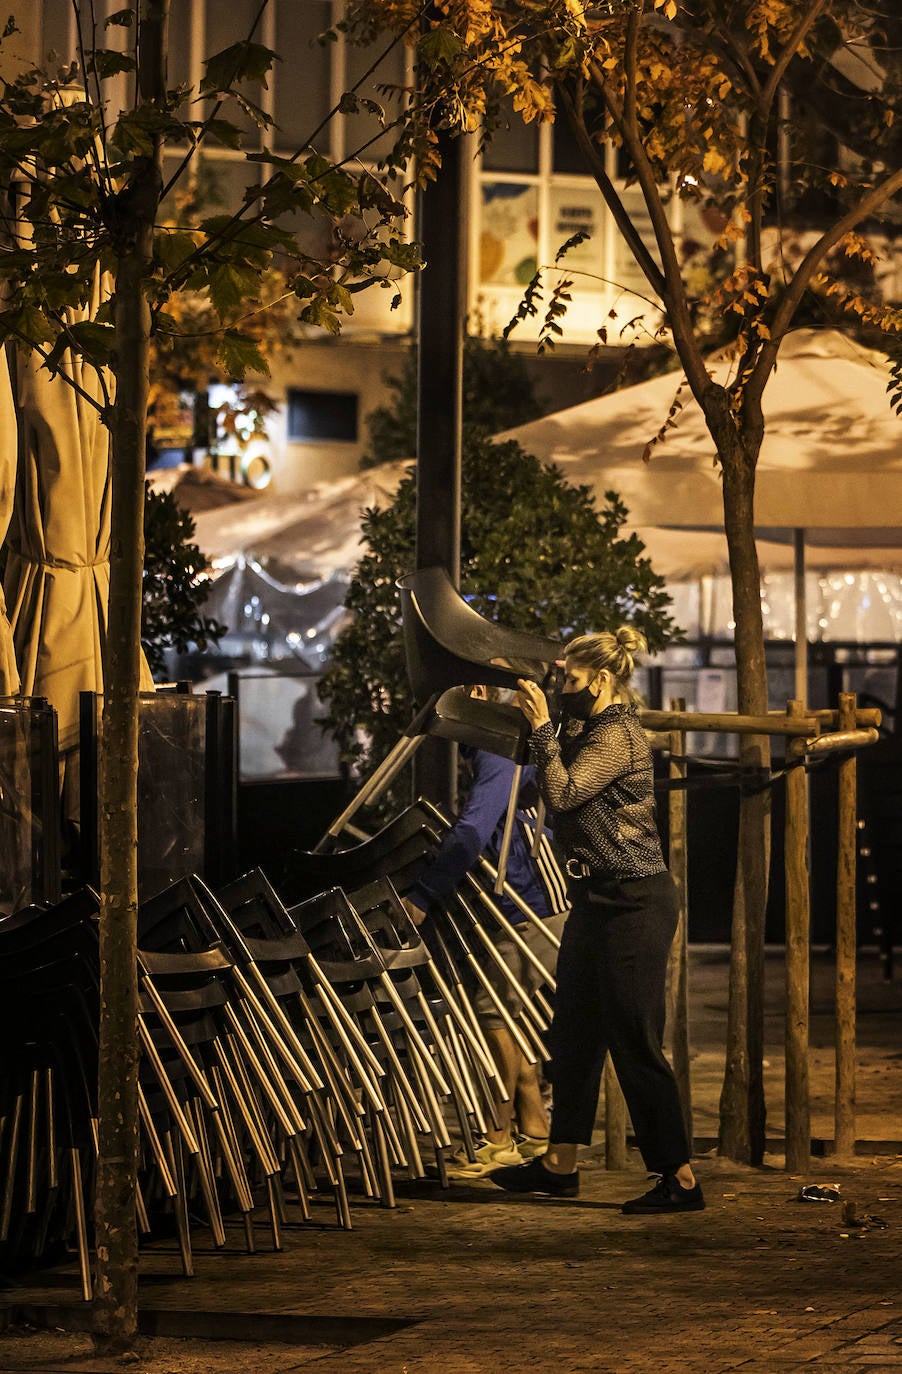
(448, 644)
(398, 848)
(494, 726)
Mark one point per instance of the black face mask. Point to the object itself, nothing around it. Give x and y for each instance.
(579, 705)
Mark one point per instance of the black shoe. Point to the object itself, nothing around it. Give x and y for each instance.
(668, 1195)
(535, 1178)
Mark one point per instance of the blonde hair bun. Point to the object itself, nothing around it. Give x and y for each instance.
(631, 640)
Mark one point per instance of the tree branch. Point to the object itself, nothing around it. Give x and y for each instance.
(805, 24)
(871, 201)
(618, 211)
(674, 291)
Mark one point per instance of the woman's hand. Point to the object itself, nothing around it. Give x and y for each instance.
(532, 702)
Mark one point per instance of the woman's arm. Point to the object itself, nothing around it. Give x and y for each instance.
(606, 756)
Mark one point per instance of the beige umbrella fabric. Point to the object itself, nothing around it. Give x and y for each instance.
(9, 672)
(831, 457)
(58, 574)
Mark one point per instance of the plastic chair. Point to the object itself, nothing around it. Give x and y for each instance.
(449, 646)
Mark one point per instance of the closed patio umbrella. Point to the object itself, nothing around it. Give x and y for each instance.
(9, 672)
(58, 573)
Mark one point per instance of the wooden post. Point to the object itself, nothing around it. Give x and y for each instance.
(678, 966)
(614, 1120)
(798, 934)
(844, 1100)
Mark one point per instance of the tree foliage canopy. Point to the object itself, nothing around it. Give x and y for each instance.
(71, 166)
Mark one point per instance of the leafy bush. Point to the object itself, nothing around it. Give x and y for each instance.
(173, 592)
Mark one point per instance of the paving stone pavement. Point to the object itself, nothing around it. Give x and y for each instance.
(492, 1284)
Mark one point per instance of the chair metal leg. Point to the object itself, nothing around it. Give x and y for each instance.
(287, 1043)
(178, 1042)
(375, 785)
(162, 1077)
(295, 1151)
(53, 1181)
(412, 1151)
(156, 1145)
(31, 1149)
(465, 1069)
(415, 1039)
(330, 998)
(268, 1083)
(444, 1056)
(514, 935)
(12, 1161)
(508, 832)
(437, 1128)
(386, 1191)
(246, 1102)
(81, 1226)
(348, 1107)
(207, 1178)
(173, 1147)
(475, 1042)
(513, 895)
(399, 1074)
(275, 1225)
(487, 1096)
(522, 1044)
(231, 1151)
(143, 1220)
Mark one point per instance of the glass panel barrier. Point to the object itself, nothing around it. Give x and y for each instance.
(29, 803)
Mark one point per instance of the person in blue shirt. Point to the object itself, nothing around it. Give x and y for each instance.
(478, 830)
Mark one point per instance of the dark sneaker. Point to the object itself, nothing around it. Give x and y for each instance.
(535, 1178)
(668, 1195)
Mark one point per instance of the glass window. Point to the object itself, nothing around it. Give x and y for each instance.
(178, 56)
(627, 273)
(322, 416)
(227, 25)
(223, 181)
(573, 209)
(514, 146)
(301, 79)
(509, 237)
(280, 732)
(57, 34)
(360, 129)
(567, 156)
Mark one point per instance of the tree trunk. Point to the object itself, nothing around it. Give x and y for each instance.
(742, 1107)
(115, 1314)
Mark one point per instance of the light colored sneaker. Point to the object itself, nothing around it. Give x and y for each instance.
(488, 1157)
(531, 1145)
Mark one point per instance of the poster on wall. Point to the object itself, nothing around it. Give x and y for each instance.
(509, 238)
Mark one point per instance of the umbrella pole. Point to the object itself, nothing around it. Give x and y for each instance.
(801, 618)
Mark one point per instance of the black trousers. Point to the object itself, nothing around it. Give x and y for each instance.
(611, 978)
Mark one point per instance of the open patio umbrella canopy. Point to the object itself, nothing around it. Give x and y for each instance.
(831, 460)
